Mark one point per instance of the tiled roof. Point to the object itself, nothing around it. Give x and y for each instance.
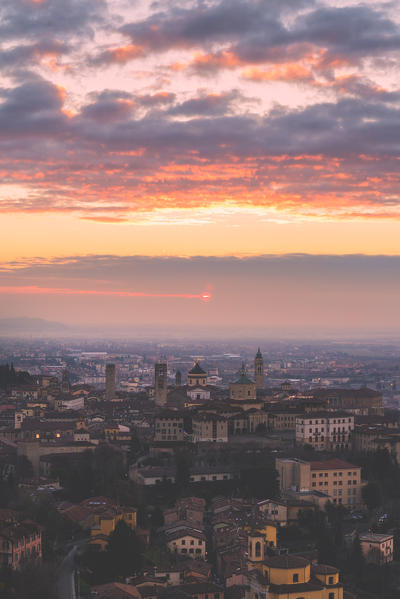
(334, 464)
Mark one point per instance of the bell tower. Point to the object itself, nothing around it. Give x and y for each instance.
(160, 383)
(259, 370)
(255, 548)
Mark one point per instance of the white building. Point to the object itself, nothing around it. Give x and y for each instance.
(325, 430)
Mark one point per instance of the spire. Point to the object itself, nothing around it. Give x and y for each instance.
(258, 354)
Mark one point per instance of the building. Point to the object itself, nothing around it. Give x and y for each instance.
(243, 389)
(284, 511)
(371, 438)
(259, 370)
(329, 431)
(289, 576)
(20, 542)
(283, 418)
(168, 426)
(377, 549)
(197, 377)
(190, 509)
(65, 382)
(110, 381)
(340, 481)
(358, 401)
(209, 427)
(160, 383)
(189, 542)
(150, 476)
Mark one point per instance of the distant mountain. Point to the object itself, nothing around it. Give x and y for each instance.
(28, 326)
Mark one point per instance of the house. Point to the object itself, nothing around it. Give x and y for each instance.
(188, 542)
(150, 476)
(20, 542)
(377, 548)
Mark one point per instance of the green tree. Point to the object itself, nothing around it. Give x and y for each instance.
(372, 495)
(32, 581)
(124, 551)
(135, 447)
(357, 561)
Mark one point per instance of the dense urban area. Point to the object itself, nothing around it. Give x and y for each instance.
(199, 470)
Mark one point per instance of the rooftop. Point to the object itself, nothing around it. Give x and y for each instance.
(334, 464)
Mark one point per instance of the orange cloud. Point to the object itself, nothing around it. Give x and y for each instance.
(34, 290)
(121, 55)
(286, 72)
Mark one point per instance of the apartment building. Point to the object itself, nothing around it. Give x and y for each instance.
(325, 431)
(20, 542)
(209, 427)
(338, 480)
(168, 426)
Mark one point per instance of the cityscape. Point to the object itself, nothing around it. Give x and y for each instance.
(211, 469)
(199, 299)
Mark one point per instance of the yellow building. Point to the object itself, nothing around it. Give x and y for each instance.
(289, 576)
(189, 542)
(197, 377)
(340, 481)
(104, 523)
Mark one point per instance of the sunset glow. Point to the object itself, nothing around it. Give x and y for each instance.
(226, 128)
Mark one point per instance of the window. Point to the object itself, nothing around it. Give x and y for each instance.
(330, 580)
(258, 549)
(331, 596)
(295, 578)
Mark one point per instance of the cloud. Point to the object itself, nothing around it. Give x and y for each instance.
(140, 142)
(24, 19)
(328, 159)
(206, 104)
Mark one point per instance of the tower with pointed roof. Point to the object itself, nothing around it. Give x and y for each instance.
(259, 370)
(197, 377)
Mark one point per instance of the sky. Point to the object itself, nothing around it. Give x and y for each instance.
(242, 152)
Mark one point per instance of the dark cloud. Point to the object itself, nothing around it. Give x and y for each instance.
(206, 105)
(27, 20)
(23, 55)
(111, 155)
(109, 106)
(257, 32)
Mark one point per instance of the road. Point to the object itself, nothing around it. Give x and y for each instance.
(66, 576)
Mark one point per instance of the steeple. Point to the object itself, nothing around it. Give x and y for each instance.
(259, 370)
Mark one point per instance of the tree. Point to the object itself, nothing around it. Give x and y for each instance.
(135, 447)
(183, 463)
(372, 495)
(30, 582)
(124, 551)
(260, 482)
(357, 561)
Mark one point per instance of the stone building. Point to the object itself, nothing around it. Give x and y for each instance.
(243, 389)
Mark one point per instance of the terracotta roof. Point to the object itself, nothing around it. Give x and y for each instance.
(334, 464)
(286, 562)
(116, 590)
(323, 569)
